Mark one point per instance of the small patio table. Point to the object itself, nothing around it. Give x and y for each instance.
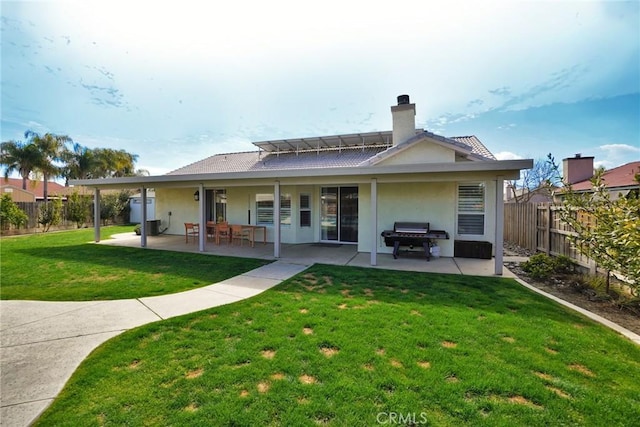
(252, 231)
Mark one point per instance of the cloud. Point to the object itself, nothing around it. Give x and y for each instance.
(507, 155)
(613, 155)
(620, 148)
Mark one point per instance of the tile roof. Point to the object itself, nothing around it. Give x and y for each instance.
(622, 176)
(477, 147)
(36, 187)
(312, 159)
(255, 160)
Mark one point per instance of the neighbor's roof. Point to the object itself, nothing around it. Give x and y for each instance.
(321, 152)
(622, 176)
(36, 187)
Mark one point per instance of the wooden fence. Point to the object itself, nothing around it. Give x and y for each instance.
(538, 228)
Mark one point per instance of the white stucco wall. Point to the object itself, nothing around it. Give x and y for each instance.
(422, 152)
(178, 201)
(419, 202)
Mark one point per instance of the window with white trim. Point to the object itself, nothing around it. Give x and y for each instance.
(471, 208)
(305, 210)
(264, 209)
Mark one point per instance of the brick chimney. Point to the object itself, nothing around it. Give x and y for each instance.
(404, 120)
(577, 169)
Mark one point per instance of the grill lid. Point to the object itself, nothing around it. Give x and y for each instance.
(411, 227)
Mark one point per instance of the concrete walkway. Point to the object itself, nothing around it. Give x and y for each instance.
(44, 342)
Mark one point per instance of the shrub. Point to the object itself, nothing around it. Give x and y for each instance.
(11, 214)
(539, 266)
(50, 214)
(78, 208)
(562, 264)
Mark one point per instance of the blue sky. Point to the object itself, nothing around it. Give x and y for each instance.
(178, 81)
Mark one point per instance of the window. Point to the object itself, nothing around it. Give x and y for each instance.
(285, 209)
(305, 210)
(471, 208)
(264, 209)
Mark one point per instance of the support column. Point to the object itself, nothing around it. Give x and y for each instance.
(96, 214)
(499, 237)
(276, 220)
(202, 219)
(374, 221)
(143, 225)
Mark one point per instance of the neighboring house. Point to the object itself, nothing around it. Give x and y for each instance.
(342, 188)
(620, 181)
(34, 191)
(542, 194)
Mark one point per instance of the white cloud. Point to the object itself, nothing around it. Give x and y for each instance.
(620, 149)
(613, 155)
(507, 155)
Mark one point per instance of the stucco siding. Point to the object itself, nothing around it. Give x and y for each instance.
(419, 202)
(178, 201)
(424, 152)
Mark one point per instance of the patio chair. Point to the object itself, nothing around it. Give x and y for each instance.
(222, 231)
(211, 230)
(191, 230)
(239, 233)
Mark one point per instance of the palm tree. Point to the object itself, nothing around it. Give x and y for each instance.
(20, 157)
(51, 147)
(80, 163)
(114, 163)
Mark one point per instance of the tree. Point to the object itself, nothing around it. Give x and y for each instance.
(50, 147)
(540, 179)
(606, 230)
(113, 205)
(11, 214)
(114, 163)
(78, 208)
(80, 163)
(20, 157)
(50, 214)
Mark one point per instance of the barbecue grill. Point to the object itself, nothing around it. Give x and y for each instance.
(412, 234)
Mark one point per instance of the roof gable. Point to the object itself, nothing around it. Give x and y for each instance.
(428, 147)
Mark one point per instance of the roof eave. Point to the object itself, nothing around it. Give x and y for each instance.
(498, 166)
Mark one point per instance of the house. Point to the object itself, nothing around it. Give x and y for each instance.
(620, 181)
(342, 188)
(34, 191)
(541, 194)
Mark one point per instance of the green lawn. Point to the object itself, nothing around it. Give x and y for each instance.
(65, 266)
(361, 347)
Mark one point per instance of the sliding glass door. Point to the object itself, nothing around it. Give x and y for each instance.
(339, 214)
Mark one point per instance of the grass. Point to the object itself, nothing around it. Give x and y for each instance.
(65, 266)
(353, 346)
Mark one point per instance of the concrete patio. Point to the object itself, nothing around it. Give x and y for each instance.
(318, 253)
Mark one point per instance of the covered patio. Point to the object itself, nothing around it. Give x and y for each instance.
(317, 253)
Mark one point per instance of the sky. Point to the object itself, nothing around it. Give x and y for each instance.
(175, 82)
